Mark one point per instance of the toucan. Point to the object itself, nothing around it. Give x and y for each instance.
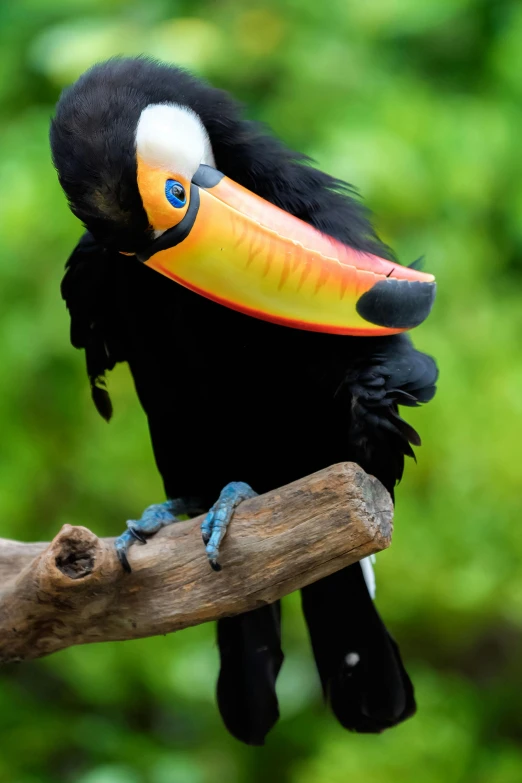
(264, 324)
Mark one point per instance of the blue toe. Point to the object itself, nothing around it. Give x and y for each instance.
(215, 524)
(152, 520)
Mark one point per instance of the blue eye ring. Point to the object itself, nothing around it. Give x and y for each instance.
(175, 193)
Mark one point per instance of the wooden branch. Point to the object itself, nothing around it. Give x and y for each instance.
(74, 591)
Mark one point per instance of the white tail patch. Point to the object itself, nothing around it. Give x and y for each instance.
(352, 659)
(173, 138)
(369, 574)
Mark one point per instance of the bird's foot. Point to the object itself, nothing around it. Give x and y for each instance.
(152, 520)
(215, 524)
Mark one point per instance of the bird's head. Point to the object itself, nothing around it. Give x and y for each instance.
(124, 141)
(136, 144)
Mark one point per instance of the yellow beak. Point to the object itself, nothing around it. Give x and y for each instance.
(235, 248)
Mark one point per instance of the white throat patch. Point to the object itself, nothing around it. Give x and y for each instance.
(173, 138)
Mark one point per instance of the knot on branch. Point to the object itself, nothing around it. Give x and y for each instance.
(76, 554)
(74, 550)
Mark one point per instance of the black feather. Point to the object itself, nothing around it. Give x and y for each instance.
(251, 657)
(101, 398)
(359, 663)
(380, 436)
(418, 263)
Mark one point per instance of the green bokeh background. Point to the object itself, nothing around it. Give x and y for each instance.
(417, 102)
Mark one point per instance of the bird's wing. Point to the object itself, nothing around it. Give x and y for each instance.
(373, 389)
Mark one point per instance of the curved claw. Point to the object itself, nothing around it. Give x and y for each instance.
(215, 524)
(122, 557)
(153, 519)
(133, 530)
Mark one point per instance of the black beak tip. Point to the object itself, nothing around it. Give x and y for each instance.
(397, 304)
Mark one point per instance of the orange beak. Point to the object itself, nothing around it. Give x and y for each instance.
(235, 248)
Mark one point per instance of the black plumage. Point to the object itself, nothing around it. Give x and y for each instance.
(235, 397)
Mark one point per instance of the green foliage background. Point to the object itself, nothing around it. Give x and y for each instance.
(418, 102)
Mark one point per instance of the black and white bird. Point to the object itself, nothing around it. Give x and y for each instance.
(147, 156)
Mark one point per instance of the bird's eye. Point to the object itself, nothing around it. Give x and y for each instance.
(175, 193)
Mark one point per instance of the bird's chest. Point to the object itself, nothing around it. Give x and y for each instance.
(211, 362)
(248, 398)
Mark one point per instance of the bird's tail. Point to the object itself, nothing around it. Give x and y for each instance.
(359, 663)
(251, 657)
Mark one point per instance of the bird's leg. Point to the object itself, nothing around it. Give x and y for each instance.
(152, 520)
(215, 524)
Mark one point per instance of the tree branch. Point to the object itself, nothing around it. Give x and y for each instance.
(74, 591)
